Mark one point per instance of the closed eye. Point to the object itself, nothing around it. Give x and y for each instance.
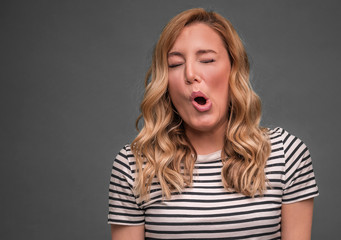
(208, 61)
(174, 65)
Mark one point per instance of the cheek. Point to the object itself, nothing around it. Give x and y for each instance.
(175, 90)
(176, 86)
(219, 82)
(172, 88)
(172, 79)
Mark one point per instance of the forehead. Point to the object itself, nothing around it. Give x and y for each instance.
(198, 35)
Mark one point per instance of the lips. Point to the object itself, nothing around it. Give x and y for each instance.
(200, 101)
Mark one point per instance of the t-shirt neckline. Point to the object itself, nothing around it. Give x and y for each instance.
(209, 157)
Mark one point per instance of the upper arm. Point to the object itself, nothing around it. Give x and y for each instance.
(124, 232)
(299, 179)
(297, 220)
(299, 189)
(124, 206)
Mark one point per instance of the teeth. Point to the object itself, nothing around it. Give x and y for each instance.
(200, 100)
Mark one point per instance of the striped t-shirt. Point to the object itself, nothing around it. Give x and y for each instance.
(207, 210)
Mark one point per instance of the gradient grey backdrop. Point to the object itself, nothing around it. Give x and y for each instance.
(71, 82)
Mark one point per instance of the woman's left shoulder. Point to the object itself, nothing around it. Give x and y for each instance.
(280, 135)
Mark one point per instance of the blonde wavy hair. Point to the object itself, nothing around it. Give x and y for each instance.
(162, 149)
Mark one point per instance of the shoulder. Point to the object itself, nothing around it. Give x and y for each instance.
(124, 162)
(292, 159)
(287, 148)
(298, 175)
(289, 142)
(278, 133)
(125, 153)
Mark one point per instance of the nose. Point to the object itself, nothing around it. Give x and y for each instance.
(191, 74)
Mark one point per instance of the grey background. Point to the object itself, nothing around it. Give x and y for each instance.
(72, 79)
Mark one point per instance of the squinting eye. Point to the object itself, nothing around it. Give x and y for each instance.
(208, 61)
(174, 65)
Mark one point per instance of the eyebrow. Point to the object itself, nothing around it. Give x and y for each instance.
(205, 51)
(199, 52)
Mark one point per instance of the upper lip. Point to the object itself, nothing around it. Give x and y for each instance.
(197, 94)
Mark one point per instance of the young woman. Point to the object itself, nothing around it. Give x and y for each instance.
(202, 167)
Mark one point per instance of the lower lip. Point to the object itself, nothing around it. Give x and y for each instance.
(202, 108)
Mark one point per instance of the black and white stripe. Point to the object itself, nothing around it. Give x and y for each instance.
(207, 210)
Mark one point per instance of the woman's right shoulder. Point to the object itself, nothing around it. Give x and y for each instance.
(125, 158)
(126, 152)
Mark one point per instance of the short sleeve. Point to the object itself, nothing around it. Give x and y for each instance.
(299, 177)
(123, 208)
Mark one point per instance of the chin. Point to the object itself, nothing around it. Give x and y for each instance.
(202, 126)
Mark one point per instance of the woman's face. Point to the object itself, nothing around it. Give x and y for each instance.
(198, 74)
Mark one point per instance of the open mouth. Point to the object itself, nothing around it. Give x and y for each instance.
(200, 100)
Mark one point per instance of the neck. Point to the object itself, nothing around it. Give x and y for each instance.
(205, 142)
